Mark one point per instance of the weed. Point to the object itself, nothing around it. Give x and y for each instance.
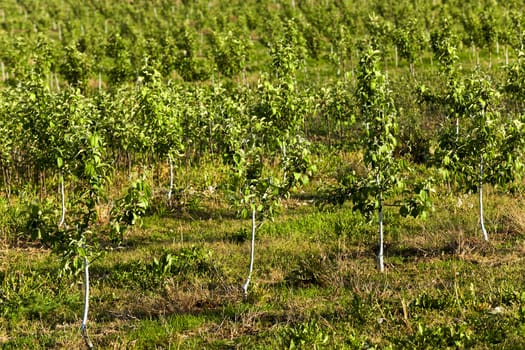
(306, 335)
(41, 222)
(13, 219)
(312, 269)
(186, 260)
(457, 336)
(28, 296)
(130, 209)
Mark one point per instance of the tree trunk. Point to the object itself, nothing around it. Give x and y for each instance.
(83, 327)
(7, 182)
(395, 56)
(63, 201)
(252, 249)
(380, 262)
(171, 179)
(480, 190)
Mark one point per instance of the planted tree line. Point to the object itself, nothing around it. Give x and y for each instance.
(167, 102)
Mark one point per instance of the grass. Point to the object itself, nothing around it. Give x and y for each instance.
(176, 283)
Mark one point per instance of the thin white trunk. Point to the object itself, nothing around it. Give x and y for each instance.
(171, 179)
(481, 220)
(252, 249)
(380, 261)
(63, 200)
(83, 327)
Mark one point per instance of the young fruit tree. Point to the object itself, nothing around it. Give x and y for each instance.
(489, 148)
(91, 170)
(380, 121)
(257, 188)
(384, 174)
(266, 153)
(270, 131)
(158, 121)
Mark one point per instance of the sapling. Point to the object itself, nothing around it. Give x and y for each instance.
(489, 148)
(409, 40)
(253, 142)
(252, 191)
(380, 121)
(91, 169)
(384, 173)
(157, 116)
(271, 130)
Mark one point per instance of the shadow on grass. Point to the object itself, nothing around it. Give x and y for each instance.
(458, 247)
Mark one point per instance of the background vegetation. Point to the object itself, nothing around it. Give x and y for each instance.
(142, 136)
